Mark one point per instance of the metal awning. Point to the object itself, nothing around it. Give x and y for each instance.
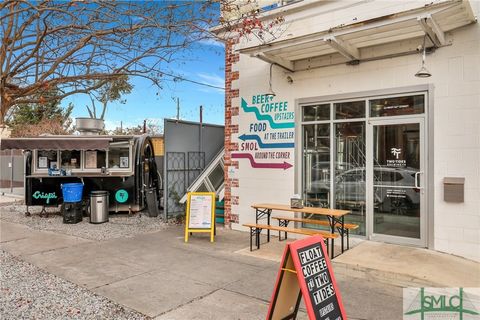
(367, 40)
(54, 143)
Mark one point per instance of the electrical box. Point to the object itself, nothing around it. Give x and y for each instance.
(453, 189)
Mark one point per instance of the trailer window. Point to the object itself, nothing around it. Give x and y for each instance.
(47, 159)
(119, 155)
(70, 159)
(95, 159)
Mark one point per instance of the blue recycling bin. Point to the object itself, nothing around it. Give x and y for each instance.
(72, 192)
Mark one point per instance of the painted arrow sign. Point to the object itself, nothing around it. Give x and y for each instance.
(266, 117)
(284, 165)
(262, 144)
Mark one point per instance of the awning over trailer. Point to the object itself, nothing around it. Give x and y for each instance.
(54, 143)
(369, 39)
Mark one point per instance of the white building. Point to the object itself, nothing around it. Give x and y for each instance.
(351, 125)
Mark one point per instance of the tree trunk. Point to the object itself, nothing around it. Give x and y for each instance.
(5, 105)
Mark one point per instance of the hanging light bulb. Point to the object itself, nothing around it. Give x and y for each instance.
(423, 72)
(270, 90)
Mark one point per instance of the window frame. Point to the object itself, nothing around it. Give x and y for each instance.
(85, 169)
(81, 160)
(35, 160)
(130, 158)
(82, 168)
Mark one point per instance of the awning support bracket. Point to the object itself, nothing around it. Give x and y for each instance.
(343, 47)
(282, 63)
(431, 28)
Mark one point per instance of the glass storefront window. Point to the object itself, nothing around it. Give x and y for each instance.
(316, 159)
(316, 112)
(47, 159)
(397, 160)
(397, 106)
(95, 159)
(349, 110)
(395, 165)
(350, 175)
(70, 159)
(119, 155)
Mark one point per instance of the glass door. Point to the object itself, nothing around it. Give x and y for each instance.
(396, 180)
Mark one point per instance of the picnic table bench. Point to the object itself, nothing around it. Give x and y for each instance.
(335, 218)
(256, 230)
(345, 231)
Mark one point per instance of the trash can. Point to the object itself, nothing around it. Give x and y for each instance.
(98, 206)
(152, 202)
(72, 212)
(72, 192)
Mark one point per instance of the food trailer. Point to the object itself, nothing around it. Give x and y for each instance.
(122, 165)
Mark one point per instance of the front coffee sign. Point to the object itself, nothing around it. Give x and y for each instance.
(306, 272)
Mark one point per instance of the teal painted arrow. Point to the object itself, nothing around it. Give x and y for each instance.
(266, 117)
(263, 145)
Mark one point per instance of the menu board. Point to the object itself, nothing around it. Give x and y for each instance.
(42, 162)
(200, 214)
(91, 159)
(123, 162)
(306, 272)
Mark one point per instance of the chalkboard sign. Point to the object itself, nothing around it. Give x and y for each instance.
(306, 272)
(200, 214)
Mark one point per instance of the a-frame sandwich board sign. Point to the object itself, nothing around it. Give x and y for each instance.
(306, 271)
(200, 214)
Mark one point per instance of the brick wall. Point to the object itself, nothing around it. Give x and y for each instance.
(230, 111)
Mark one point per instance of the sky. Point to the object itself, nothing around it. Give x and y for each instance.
(205, 64)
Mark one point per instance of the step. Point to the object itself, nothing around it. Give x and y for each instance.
(406, 266)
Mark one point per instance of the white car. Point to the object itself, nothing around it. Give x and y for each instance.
(390, 196)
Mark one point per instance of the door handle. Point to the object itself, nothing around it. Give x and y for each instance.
(417, 174)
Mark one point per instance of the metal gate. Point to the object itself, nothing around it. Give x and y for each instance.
(196, 164)
(12, 169)
(182, 168)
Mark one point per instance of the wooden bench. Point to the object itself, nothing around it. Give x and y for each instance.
(346, 226)
(256, 229)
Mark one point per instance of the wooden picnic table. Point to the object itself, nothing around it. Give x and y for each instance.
(334, 216)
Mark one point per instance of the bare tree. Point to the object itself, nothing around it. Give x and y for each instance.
(245, 19)
(80, 46)
(110, 91)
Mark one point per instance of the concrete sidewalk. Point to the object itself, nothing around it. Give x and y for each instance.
(402, 266)
(10, 198)
(162, 277)
(408, 266)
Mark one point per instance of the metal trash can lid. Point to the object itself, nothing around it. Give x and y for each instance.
(98, 193)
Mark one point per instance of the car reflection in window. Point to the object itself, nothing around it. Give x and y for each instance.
(389, 188)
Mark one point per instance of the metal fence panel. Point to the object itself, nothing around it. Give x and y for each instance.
(175, 185)
(196, 164)
(182, 169)
(12, 171)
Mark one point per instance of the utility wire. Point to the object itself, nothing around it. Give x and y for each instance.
(192, 81)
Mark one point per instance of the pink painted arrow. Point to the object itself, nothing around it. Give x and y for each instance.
(284, 165)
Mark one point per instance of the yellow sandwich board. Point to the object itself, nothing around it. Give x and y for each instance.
(200, 214)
